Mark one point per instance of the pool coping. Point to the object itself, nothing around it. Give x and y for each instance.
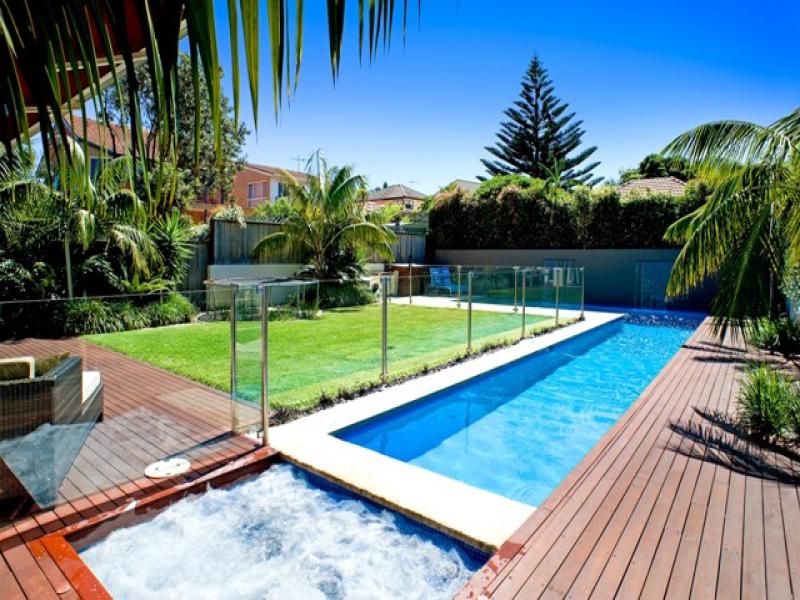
(477, 517)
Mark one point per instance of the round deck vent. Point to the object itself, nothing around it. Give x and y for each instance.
(170, 467)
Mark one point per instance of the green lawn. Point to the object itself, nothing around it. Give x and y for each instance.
(309, 357)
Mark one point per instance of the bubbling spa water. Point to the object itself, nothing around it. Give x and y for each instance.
(279, 536)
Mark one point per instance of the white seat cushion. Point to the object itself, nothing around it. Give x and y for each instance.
(91, 381)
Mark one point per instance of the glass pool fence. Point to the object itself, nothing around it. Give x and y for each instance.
(97, 389)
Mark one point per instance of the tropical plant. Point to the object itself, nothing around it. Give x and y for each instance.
(327, 226)
(107, 240)
(781, 334)
(766, 398)
(43, 44)
(749, 229)
(540, 137)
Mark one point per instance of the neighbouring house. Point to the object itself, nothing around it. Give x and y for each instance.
(101, 142)
(393, 195)
(463, 185)
(253, 185)
(653, 185)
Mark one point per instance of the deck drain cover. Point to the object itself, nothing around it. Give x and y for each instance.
(167, 468)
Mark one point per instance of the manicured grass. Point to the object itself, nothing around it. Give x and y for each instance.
(342, 349)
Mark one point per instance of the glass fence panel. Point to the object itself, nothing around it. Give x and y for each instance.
(317, 355)
(94, 391)
(430, 331)
(246, 366)
(496, 318)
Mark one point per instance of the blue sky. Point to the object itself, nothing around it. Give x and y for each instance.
(637, 74)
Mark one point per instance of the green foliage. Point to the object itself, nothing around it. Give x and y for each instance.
(326, 226)
(172, 310)
(748, 231)
(503, 214)
(779, 335)
(767, 398)
(230, 212)
(490, 189)
(279, 210)
(344, 293)
(131, 315)
(657, 165)
(540, 138)
(90, 316)
(207, 176)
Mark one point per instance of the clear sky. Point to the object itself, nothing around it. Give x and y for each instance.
(637, 73)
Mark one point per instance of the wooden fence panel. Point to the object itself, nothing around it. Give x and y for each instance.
(196, 272)
(234, 244)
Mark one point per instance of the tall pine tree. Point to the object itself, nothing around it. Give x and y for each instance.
(540, 136)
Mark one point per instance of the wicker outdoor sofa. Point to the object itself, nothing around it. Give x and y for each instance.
(31, 412)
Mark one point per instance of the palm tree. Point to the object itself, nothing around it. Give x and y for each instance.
(104, 212)
(326, 224)
(44, 44)
(748, 231)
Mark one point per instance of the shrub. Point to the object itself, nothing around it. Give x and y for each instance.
(90, 316)
(131, 315)
(491, 188)
(172, 310)
(779, 335)
(345, 293)
(515, 211)
(765, 400)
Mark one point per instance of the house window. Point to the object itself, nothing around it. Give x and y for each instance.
(257, 192)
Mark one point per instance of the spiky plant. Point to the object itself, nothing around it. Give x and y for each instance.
(326, 222)
(749, 228)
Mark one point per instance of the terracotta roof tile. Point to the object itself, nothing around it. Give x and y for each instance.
(654, 185)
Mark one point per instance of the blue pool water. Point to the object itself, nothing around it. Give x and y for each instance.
(517, 431)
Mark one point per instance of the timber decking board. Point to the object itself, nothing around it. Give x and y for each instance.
(673, 501)
(149, 414)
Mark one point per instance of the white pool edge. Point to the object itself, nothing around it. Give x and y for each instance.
(480, 518)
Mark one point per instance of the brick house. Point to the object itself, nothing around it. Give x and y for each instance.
(400, 195)
(253, 185)
(100, 142)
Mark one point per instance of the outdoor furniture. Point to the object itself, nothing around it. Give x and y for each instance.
(440, 280)
(44, 422)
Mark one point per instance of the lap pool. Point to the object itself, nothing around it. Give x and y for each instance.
(519, 430)
(283, 535)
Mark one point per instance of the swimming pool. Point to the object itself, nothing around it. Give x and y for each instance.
(284, 534)
(518, 430)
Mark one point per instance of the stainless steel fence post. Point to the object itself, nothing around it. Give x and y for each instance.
(557, 280)
(234, 420)
(469, 312)
(524, 307)
(583, 290)
(410, 281)
(516, 273)
(265, 365)
(458, 285)
(384, 327)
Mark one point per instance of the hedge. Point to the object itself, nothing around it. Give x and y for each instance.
(506, 215)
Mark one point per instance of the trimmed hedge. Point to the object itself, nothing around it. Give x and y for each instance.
(504, 215)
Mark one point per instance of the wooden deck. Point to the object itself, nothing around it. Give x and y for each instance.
(149, 414)
(672, 502)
